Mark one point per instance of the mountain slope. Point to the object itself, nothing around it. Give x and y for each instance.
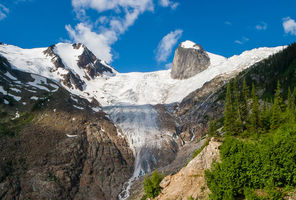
(56, 145)
(265, 75)
(155, 132)
(190, 180)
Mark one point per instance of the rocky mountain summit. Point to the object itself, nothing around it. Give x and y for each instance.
(190, 59)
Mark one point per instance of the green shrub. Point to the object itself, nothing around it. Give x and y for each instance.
(268, 163)
(250, 195)
(41, 103)
(11, 128)
(196, 152)
(5, 130)
(151, 184)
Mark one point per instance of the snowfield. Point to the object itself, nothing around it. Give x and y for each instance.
(133, 88)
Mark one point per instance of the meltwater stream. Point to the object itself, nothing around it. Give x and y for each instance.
(141, 126)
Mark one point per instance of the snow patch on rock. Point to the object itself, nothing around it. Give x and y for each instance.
(10, 76)
(189, 45)
(70, 56)
(15, 97)
(2, 90)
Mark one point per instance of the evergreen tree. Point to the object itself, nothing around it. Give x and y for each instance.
(276, 108)
(151, 186)
(212, 129)
(255, 119)
(228, 111)
(289, 99)
(290, 110)
(237, 124)
(265, 116)
(244, 104)
(148, 188)
(294, 97)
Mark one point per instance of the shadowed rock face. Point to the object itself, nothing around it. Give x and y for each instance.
(189, 62)
(87, 61)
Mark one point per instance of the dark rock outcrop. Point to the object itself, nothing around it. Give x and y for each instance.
(70, 79)
(87, 60)
(57, 61)
(94, 67)
(189, 61)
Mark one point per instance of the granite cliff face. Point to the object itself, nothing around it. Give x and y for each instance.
(190, 59)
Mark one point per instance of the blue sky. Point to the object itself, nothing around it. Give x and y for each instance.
(141, 35)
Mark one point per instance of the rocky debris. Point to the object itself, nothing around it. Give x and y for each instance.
(73, 81)
(189, 60)
(190, 180)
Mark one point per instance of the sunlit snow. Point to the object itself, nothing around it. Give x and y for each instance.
(189, 45)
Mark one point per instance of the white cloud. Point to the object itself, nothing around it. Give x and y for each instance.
(261, 27)
(104, 5)
(98, 36)
(168, 3)
(114, 19)
(242, 41)
(238, 42)
(166, 45)
(228, 23)
(99, 44)
(3, 12)
(289, 25)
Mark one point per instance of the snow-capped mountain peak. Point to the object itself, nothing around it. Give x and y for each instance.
(190, 45)
(76, 68)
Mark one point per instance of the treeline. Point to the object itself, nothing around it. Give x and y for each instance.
(265, 74)
(258, 156)
(245, 115)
